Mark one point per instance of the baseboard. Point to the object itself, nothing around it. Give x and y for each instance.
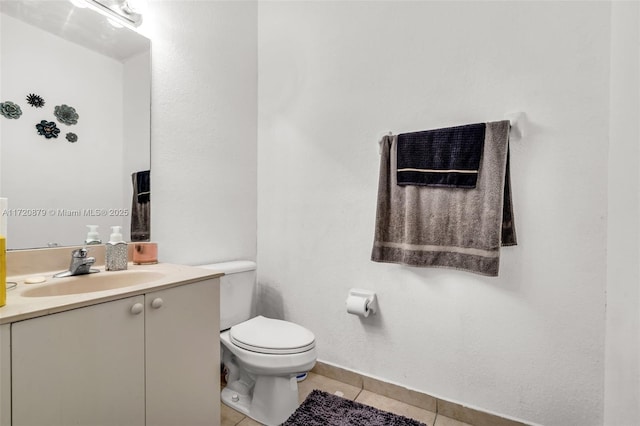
(446, 408)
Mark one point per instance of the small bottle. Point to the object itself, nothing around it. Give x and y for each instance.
(92, 236)
(116, 255)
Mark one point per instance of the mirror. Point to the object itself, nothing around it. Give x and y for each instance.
(83, 88)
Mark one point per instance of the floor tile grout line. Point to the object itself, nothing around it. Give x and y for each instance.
(359, 392)
(240, 421)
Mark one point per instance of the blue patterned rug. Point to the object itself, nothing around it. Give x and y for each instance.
(323, 409)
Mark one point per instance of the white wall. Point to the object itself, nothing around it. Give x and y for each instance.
(333, 78)
(203, 163)
(39, 173)
(622, 361)
(529, 344)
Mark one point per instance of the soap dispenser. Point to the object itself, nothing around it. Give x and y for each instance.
(92, 236)
(116, 255)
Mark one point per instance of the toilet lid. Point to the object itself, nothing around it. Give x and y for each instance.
(271, 336)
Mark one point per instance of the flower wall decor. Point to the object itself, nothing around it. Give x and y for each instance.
(10, 110)
(48, 129)
(35, 100)
(66, 114)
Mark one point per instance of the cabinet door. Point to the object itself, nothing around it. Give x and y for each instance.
(183, 355)
(80, 367)
(5, 375)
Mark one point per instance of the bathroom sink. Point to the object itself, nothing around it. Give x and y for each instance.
(92, 282)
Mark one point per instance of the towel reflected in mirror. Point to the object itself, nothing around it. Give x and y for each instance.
(141, 206)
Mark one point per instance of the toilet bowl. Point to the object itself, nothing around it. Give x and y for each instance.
(262, 357)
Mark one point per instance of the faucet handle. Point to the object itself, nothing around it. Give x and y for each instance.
(80, 253)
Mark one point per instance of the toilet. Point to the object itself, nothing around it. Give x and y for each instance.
(262, 357)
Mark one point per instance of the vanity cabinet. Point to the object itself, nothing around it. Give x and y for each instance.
(5, 375)
(150, 359)
(80, 367)
(182, 339)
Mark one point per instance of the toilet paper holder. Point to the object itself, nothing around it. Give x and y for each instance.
(372, 300)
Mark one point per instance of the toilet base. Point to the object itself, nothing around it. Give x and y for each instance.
(273, 400)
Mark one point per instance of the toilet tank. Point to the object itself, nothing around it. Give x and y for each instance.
(237, 291)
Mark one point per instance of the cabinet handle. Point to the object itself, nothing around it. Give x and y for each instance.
(157, 303)
(137, 308)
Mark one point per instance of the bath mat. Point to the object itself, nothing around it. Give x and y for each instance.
(323, 409)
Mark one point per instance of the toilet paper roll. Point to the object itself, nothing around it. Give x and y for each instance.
(358, 305)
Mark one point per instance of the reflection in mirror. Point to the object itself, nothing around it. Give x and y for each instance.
(83, 132)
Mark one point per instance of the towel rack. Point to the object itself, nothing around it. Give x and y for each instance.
(516, 120)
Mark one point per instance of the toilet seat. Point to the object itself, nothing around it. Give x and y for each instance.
(271, 336)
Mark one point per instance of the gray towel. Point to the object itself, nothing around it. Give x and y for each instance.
(456, 228)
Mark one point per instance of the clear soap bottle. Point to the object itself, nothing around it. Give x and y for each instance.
(92, 236)
(116, 255)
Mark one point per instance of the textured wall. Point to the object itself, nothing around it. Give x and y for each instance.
(622, 361)
(333, 78)
(203, 129)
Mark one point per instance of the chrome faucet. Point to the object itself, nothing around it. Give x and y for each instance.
(80, 264)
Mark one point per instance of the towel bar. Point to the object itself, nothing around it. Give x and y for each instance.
(516, 120)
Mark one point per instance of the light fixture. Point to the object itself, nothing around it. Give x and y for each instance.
(79, 3)
(120, 11)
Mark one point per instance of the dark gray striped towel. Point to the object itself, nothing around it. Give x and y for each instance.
(141, 206)
(455, 228)
(448, 157)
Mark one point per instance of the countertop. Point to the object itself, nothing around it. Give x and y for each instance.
(19, 307)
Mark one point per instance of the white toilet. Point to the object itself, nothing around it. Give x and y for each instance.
(262, 357)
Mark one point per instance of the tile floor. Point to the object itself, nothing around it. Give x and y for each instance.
(231, 417)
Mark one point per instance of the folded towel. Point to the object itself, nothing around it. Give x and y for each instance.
(447, 157)
(141, 206)
(447, 227)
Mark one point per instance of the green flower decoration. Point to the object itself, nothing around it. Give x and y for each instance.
(72, 137)
(66, 114)
(10, 110)
(48, 129)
